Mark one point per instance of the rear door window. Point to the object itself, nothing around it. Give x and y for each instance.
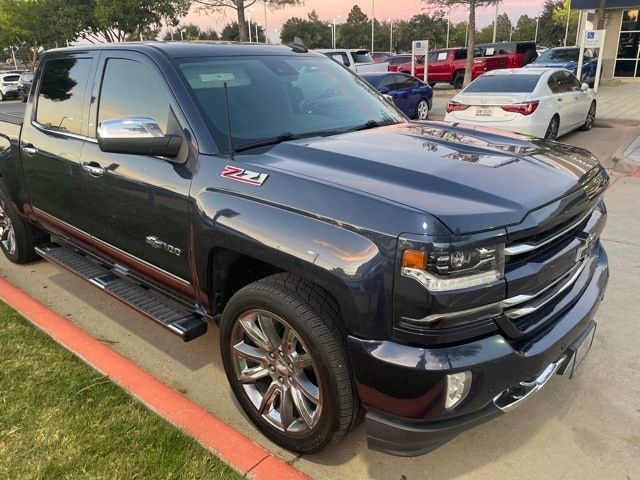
(60, 104)
(557, 83)
(503, 84)
(405, 81)
(387, 82)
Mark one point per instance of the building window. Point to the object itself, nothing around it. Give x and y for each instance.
(628, 56)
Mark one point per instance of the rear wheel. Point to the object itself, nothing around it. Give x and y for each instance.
(458, 80)
(553, 128)
(591, 116)
(1, 96)
(422, 110)
(16, 238)
(283, 349)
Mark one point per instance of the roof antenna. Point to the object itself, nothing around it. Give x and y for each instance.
(298, 45)
(230, 138)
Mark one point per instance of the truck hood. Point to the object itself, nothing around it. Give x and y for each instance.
(471, 178)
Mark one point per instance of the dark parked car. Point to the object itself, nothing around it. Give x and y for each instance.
(568, 58)
(409, 94)
(24, 85)
(422, 275)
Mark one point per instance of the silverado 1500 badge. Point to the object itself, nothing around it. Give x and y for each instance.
(244, 176)
(155, 242)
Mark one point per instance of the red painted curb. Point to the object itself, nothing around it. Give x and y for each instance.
(234, 448)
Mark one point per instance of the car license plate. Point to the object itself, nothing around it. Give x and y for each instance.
(582, 349)
(484, 111)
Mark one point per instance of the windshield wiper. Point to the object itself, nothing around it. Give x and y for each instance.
(284, 137)
(370, 124)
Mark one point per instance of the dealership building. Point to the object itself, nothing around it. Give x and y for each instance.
(621, 52)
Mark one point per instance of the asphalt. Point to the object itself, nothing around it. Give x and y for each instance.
(584, 428)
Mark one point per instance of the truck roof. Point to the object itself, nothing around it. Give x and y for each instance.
(189, 49)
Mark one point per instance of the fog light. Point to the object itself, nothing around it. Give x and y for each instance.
(458, 385)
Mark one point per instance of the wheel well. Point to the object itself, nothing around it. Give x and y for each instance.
(230, 271)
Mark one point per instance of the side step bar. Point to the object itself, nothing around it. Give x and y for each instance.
(178, 321)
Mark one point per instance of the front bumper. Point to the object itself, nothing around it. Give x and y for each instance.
(403, 386)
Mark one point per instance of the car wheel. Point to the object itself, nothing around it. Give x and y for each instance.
(422, 110)
(283, 349)
(1, 97)
(553, 128)
(458, 80)
(16, 237)
(591, 116)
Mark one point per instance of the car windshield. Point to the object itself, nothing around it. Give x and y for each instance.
(559, 56)
(503, 84)
(278, 98)
(362, 57)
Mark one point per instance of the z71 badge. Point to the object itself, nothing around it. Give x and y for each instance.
(244, 176)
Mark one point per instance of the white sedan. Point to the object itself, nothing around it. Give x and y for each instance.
(542, 102)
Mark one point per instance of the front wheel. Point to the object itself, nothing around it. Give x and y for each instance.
(552, 129)
(591, 117)
(422, 110)
(283, 349)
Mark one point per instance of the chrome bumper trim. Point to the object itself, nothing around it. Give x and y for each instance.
(513, 397)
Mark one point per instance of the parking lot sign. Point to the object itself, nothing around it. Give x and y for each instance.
(419, 47)
(592, 39)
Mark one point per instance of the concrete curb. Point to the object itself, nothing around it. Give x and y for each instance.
(241, 453)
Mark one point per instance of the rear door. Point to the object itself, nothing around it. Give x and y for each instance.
(581, 101)
(439, 66)
(52, 142)
(407, 96)
(139, 202)
(563, 100)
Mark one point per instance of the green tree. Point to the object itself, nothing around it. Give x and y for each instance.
(525, 28)
(559, 16)
(27, 25)
(356, 31)
(117, 20)
(471, 5)
(485, 35)
(191, 32)
(231, 32)
(550, 31)
(314, 32)
(240, 7)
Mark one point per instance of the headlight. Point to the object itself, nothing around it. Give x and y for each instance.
(441, 271)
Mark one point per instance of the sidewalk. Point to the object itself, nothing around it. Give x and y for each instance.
(619, 101)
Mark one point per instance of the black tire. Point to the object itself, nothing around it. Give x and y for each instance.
(591, 116)
(310, 314)
(17, 239)
(553, 128)
(2, 97)
(458, 80)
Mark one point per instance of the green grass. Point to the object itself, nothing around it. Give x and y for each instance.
(59, 419)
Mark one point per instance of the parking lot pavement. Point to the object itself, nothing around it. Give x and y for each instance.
(585, 428)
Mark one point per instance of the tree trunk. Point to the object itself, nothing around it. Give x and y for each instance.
(242, 24)
(471, 42)
(601, 14)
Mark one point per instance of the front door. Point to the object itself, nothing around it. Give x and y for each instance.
(53, 137)
(140, 202)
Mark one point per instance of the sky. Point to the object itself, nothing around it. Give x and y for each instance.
(384, 9)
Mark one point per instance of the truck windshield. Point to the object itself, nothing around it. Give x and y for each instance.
(281, 97)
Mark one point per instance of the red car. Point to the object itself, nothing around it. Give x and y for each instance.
(396, 61)
(518, 54)
(380, 56)
(448, 64)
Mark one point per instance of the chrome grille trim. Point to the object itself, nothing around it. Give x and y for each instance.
(541, 302)
(520, 248)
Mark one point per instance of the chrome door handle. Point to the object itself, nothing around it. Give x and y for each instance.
(560, 100)
(93, 169)
(29, 149)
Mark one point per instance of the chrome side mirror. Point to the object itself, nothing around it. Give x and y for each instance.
(137, 136)
(584, 87)
(388, 98)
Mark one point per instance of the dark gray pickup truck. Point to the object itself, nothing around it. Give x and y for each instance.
(422, 275)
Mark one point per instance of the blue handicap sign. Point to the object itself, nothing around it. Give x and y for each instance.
(591, 35)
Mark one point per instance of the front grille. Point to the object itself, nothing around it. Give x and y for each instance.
(564, 257)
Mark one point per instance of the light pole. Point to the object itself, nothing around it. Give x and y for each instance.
(13, 55)
(249, 22)
(257, 36)
(448, 25)
(373, 22)
(264, 4)
(566, 31)
(537, 24)
(391, 36)
(181, 35)
(495, 25)
(335, 31)
(510, 33)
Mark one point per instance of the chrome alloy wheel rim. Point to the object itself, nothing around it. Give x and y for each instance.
(277, 372)
(423, 110)
(7, 233)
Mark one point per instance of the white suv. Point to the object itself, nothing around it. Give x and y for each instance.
(9, 85)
